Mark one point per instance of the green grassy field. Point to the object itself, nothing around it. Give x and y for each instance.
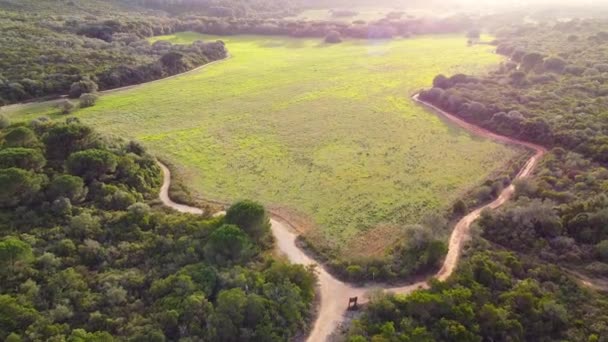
(324, 133)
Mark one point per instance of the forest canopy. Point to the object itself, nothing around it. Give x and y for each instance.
(80, 53)
(84, 256)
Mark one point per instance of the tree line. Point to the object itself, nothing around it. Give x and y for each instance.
(47, 57)
(552, 96)
(85, 257)
(549, 92)
(57, 55)
(493, 296)
(223, 8)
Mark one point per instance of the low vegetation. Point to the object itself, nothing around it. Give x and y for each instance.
(83, 257)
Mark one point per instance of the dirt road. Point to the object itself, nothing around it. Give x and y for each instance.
(335, 293)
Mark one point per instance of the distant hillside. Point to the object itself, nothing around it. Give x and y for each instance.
(221, 8)
(69, 7)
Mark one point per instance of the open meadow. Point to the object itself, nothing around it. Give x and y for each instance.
(323, 133)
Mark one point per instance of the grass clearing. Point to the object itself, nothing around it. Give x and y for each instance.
(322, 132)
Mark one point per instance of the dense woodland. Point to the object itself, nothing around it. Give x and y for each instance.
(549, 92)
(83, 256)
(494, 296)
(50, 56)
(222, 8)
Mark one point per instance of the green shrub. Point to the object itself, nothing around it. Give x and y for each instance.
(228, 245)
(23, 158)
(20, 136)
(251, 217)
(83, 86)
(68, 186)
(92, 164)
(66, 106)
(88, 100)
(18, 186)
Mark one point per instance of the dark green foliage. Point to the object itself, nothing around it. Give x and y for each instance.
(440, 81)
(521, 225)
(84, 86)
(560, 215)
(62, 140)
(460, 207)
(20, 136)
(251, 217)
(560, 101)
(23, 158)
(114, 197)
(602, 250)
(228, 245)
(494, 296)
(420, 253)
(92, 164)
(18, 186)
(531, 60)
(73, 51)
(89, 261)
(66, 106)
(68, 186)
(87, 100)
(175, 62)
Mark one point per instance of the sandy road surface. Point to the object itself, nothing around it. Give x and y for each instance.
(335, 293)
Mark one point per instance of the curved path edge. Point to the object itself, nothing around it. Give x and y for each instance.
(335, 293)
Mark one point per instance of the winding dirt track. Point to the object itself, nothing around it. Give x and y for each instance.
(335, 293)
